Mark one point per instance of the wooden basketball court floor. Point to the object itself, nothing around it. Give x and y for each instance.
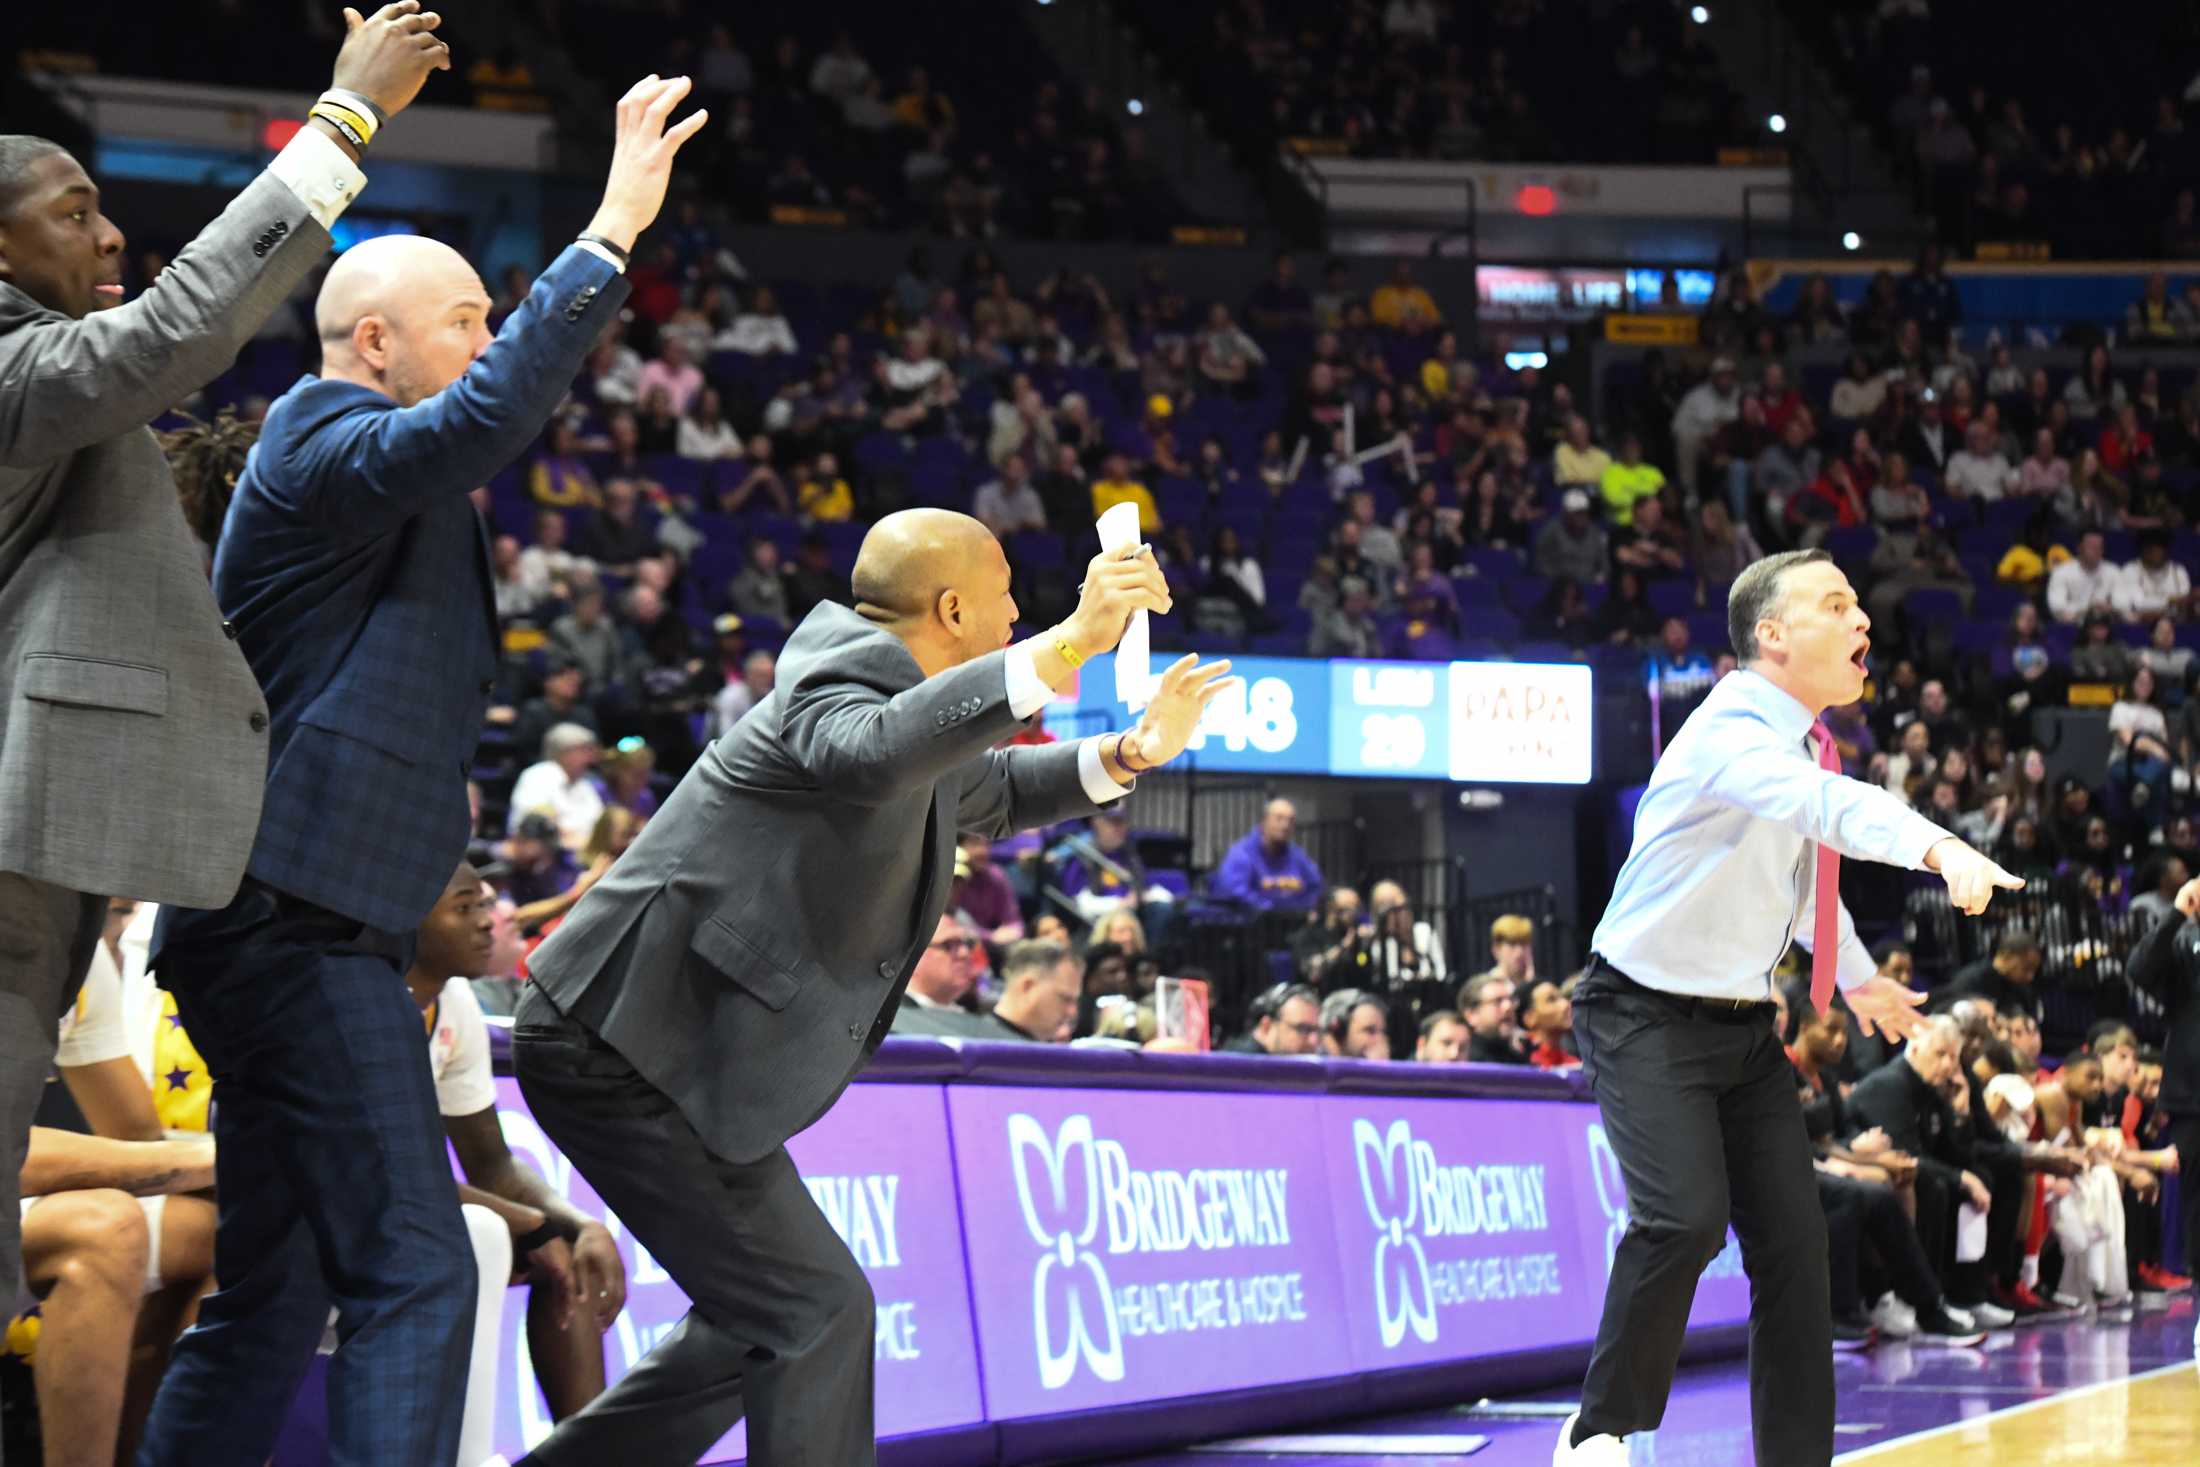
(2072, 1394)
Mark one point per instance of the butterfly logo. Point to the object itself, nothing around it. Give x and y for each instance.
(1073, 1315)
(1404, 1298)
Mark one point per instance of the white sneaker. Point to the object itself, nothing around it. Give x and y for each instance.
(1893, 1318)
(1597, 1451)
(1989, 1316)
(1960, 1316)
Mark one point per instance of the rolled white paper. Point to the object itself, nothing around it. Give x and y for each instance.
(1118, 529)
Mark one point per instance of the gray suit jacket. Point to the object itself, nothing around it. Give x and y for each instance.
(748, 952)
(133, 739)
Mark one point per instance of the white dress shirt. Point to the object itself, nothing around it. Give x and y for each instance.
(2143, 594)
(1027, 695)
(1722, 875)
(321, 174)
(2073, 591)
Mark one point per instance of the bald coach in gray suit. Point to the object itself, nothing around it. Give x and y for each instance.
(717, 990)
(133, 739)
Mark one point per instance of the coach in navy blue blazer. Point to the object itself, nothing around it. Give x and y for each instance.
(355, 571)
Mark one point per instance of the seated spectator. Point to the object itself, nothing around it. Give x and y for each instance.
(2124, 443)
(516, 600)
(982, 893)
(704, 433)
(1785, 467)
(2007, 979)
(559, 477)
(824, 496)
(1547, 1025)
(2172, 664)
(1580, 462)
(2140, 758)
(1228, 358)
(1266, 871)
(1332, 952)
(1928, 439)
(732, 703)
(1355, 1025)
(537, 864)
(935, 1000)
(614, 370)
(1857, 397)
(2094, 393)
(1442, 1040)
(918, 386)
(1286, 1020)
(813, 579)
(1909, 1103)
(1680, 675)
(672, 373)
(1424, 634)
(759, 331)
(1487, 1002)
(1626, 481)
(656, 431)
(1833, 501)
(1977, 470)
(562, 786)
(1100, 871)
(1041, 983)
(1721, 548)
(2100, 656)
(1573, 547)
(2044, 471)
(546, 568)
(2087, 584)
(2027, 563)
(1116, 486)
(626, 772)
(592, 641)
(1707, 407)
(560, 701)
(760, 590)
(2153, 586)
(1400, 299)
(1347, 629)
(575, 1277)
(1565, 616)
(615, 536)
(1898, 502)
(1401, 949)
(115, 1247)
(1650, 546)
(761, 478)
(1008, 505)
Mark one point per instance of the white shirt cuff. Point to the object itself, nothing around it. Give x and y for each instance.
(1100, 786)
(319, 173)
(1917, 837)
(602, 254)
(1026, 693)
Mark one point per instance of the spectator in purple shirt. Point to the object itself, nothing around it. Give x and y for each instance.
(982, 893)
(1116, 880)
(538, 865)
(1266, 871)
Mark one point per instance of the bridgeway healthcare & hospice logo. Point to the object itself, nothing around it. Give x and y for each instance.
(1140, 1245)
(1414, 1197)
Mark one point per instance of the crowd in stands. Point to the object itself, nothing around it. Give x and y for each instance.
(1521, 80)
(2086, 146)
(949, 116)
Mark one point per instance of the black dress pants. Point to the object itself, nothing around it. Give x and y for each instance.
(2184, 1134)
(1700, 1108)
(782, 1324)
(1871, 1235)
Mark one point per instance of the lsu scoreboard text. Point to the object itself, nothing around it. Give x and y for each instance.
(1469, 722)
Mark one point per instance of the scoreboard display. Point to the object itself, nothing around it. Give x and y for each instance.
(1468, 722)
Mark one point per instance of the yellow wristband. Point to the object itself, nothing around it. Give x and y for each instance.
(1068, 654)
(332, 109)
(344, 122)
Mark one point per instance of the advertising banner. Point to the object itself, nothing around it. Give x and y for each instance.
(1480, 1227)
(1136, 1246)
(880, 1169)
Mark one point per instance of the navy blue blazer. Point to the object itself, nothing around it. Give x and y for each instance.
(355, 571)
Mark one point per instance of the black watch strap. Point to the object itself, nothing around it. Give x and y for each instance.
(548, 1232)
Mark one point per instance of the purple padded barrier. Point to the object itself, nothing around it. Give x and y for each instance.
(1079, 1251)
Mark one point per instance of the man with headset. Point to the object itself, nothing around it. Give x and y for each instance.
(1286, 1020)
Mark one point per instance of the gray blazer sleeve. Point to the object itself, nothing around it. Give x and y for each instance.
(869, 745)
(1022, 788)
(65, 385)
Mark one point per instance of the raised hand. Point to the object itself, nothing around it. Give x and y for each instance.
(1174, 712)
(387, 56)
(1117, 583)
(641, 157)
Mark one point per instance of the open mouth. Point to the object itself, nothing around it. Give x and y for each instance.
(1862, 657)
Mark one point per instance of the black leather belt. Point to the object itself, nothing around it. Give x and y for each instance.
(1719, 1010)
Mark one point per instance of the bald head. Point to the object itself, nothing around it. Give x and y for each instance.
(938, 580)
(403, 315)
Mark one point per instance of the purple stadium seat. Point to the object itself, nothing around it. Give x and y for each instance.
(1674, 596)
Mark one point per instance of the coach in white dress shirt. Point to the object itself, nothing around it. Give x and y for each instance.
(1735, 837)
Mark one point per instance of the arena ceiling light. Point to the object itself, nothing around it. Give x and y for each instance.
(1701, 15)
(1777, 122)
(1852, 241)
(1135, 107)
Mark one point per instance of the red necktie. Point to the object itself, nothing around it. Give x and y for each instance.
(1825, 930)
